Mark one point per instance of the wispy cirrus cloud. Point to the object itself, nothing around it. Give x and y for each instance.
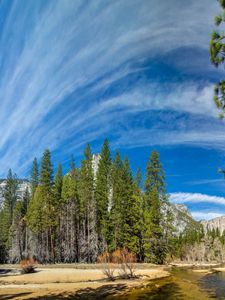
(66, 71)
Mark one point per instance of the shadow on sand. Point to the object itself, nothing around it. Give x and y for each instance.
(83, 294)
(168, 291)
(13, 296)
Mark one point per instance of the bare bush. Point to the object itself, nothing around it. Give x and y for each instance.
(126, 261)
(108, 270)
(28, 266)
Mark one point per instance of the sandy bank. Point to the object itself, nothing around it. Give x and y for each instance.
(47, 283)
(195, 265)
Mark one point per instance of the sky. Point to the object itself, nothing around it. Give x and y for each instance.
(135, 71)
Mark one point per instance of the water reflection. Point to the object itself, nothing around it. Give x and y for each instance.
(182, 285)
(215, 284)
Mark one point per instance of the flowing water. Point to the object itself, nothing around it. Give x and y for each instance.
(182, 285)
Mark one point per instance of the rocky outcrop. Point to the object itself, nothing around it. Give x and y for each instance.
(181, 217)
(22, 185)
(215, 223)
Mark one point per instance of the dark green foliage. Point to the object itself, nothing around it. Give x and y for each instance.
(130, 210)
(127, 209)
(35, 214)
(34, 176)
(102, 194)
(86, 187)
(76, 217)
(10, 197)
(46, 176)
(58, 185)
(69, 215)
(10, 193)
(88, 208)
(155, 177)
(217, 55)
(26, 200)
(116, 221)
(155, 196)
(138, 178)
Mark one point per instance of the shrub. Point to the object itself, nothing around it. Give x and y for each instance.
(28, 266)
(105, 260)
(126, 260)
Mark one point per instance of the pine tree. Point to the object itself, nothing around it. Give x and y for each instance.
(70, 217)
(138, 178)
(116, 221)
(50, 209)
(58, 185)
(155, 177)
(88, 208)
(10, 193)
(26, 200)
(130, 210)
(155, 196)
(46, 176)
(102, 195)
(35, 213)
(139, 214)
(34, 176)
(18, 232)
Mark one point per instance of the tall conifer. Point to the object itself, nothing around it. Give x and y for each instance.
(102, 194)
(155, 195)
(34, 176)
(88, 207)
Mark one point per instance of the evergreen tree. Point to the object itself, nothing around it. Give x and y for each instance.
(70, 217)
(88, 208)
(131, 211)
(46, 176)
(217, 55)
(34, 176)
(18, 232)
(139, 209)
(102, 194)
(35, 213)
(58, 185)
(138, 178)
(116, 221)
(50, 208)
(10, 193)
(155, 196)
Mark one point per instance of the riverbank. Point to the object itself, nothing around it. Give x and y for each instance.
(72, 281)
(197, 264)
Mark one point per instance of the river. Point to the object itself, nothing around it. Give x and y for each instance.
(183, 284)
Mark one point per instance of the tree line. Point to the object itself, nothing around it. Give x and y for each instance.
(78, 216)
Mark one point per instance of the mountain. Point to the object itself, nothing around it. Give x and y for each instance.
(182, 219)
(22, 185)
(215, 223)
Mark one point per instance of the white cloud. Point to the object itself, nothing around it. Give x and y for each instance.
(197, 215)
(196, 198)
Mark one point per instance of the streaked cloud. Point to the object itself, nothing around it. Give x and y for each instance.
(66, 71)
(196, 198)
(206, 181)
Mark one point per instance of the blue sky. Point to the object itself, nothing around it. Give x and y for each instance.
(137, 72)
